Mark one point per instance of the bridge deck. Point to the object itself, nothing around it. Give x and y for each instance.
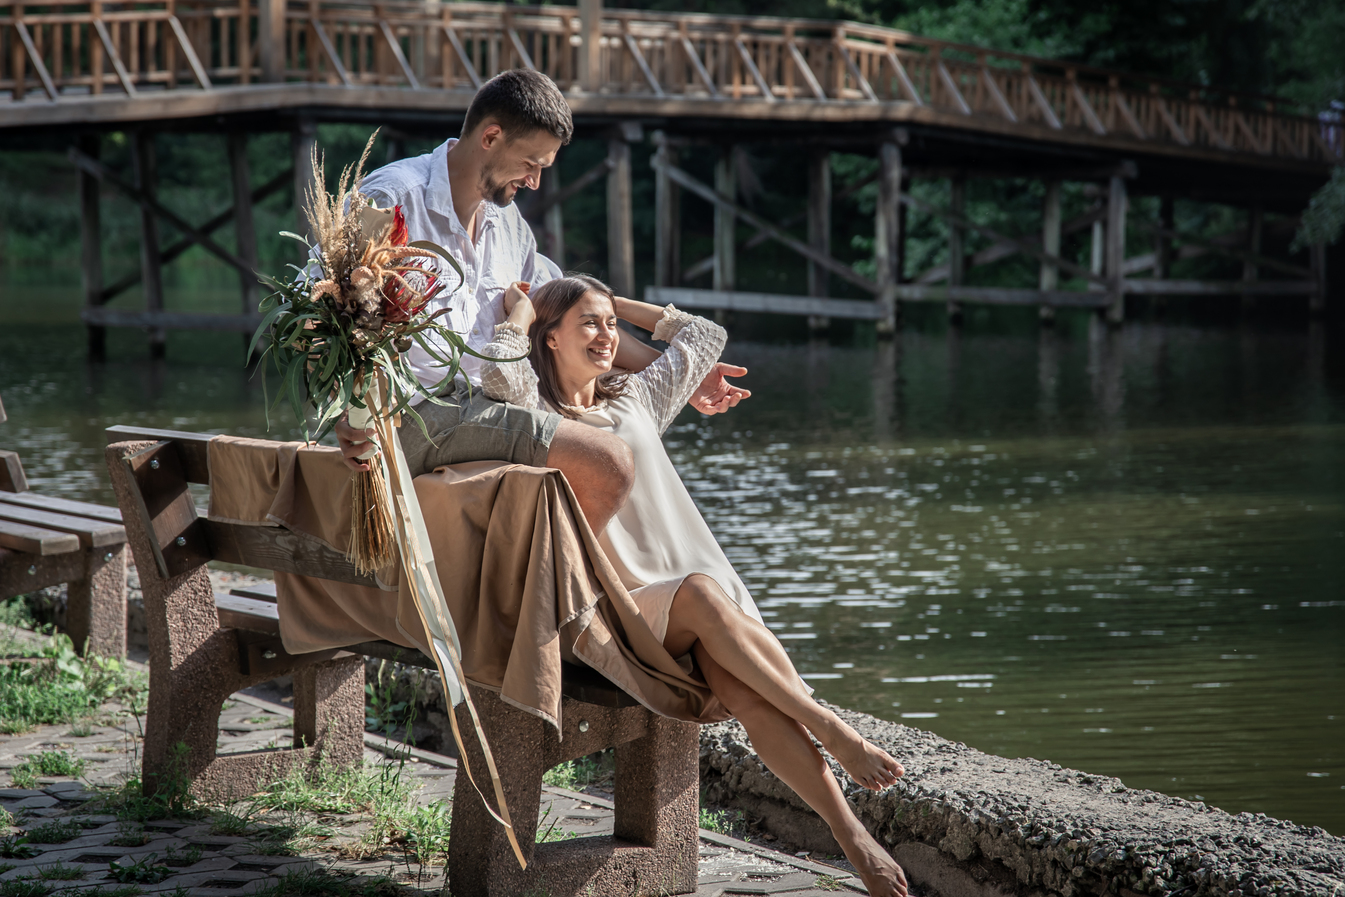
(75, 63)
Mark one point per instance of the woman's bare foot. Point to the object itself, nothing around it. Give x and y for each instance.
(870, 766)
(876, 868)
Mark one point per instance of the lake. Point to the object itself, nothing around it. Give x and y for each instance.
(1121, 551)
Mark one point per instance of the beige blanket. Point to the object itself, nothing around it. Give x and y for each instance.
(526, 583)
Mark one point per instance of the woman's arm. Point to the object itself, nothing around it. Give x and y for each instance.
(694, 345)
(514, 382)
(641, 314)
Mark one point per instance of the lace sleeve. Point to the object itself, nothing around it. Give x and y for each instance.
(514, 382)
(694, 347)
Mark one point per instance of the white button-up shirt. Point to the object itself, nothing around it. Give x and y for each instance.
(504, 251)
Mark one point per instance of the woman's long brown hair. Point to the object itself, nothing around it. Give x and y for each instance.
(551, 301)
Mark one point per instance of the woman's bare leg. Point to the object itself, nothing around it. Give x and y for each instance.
(703, 615)
(785, 748)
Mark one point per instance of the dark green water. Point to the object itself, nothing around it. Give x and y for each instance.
(1123, 552)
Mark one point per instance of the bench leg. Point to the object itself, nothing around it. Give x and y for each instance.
(658, 803)
(329, 709)
(95, 609)
(480, 861)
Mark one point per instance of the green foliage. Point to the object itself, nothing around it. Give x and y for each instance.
(24, 887)
(321, 883)
(143, 871)
(547, 833)
(1324, 221)
(716, 821)
(329, 789)
(828, 883)
(189, 857)
(47, 763)
(16, 847)
(170, 799)
(61, 872)
(59, 686)
(130, 834)
(55, 832)
(122, 891)
(426, 830)
(576, 775)
(385, 710)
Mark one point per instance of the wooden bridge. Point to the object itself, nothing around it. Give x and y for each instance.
(925, 108)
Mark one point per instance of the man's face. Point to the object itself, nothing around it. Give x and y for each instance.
(511, 164)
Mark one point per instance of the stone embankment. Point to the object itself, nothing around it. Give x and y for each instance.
(967, 823)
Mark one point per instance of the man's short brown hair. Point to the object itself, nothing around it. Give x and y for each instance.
(521, 101)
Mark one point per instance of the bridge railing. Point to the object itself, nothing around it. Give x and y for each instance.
(68, 47)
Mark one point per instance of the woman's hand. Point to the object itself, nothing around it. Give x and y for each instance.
(517, 292)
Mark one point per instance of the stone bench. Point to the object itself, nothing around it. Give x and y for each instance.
(46, 541)
(204, 647)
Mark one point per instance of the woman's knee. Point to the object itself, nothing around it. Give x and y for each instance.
(704, 594)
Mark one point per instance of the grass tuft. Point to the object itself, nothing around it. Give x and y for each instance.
(61, 872)
(60, 687)
(24, 887)
(55, 832)
(576, 775)
(47, 763)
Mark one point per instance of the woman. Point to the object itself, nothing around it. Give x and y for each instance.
(663, 550)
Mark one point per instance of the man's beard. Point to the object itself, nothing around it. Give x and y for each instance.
(495, 192)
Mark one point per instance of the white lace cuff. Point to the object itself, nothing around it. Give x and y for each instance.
(513, 338)
(670, 324)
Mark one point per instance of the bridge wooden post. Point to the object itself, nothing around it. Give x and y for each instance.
(91, 243)
(1317, 265)
(1049, 278)
(1115, 248)
(667, 217)
(887, 234)
(590, 47)
(151, 262)
(553, 227)
(620, 228)
(957, 253)
(726, 184)
(303, 140)
(1250, 270)
(819, 228)
(271, 39)
(245, 232)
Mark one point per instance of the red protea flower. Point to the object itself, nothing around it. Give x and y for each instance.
(398, 236)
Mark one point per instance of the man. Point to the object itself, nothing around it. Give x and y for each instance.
(461, 197)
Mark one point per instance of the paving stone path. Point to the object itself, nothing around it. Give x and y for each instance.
(198, 860)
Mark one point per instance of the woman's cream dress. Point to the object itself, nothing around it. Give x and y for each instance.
(659, 537)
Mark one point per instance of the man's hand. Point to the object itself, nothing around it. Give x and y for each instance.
(353, 442)
(715, 394)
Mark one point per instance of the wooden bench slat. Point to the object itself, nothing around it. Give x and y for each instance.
(36, 540)
(91, 533)
(61, 506)
(247, 614)
(193, 448)
(265, 591)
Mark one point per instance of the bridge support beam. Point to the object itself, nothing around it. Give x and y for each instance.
(553, 222)
(590, 49)
(667, 218)
(888, 234)
(1115, 250)
(151, 263)
(819, 227)
(1049, 277)
(91, 243)
(957, 253)
(245, 231)
(620, 228)
(726, 247)
(1317, 265)
(1163, 248)
(1250, 270)
(303, 140)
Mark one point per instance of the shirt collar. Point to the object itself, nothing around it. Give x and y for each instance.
(440, 193)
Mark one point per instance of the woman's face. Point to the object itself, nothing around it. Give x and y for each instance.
(585, 340)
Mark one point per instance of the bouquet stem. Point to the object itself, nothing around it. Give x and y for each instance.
(373, 537)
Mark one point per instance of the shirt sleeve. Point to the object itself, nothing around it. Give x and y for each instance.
(694, 346)
(514, 382)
